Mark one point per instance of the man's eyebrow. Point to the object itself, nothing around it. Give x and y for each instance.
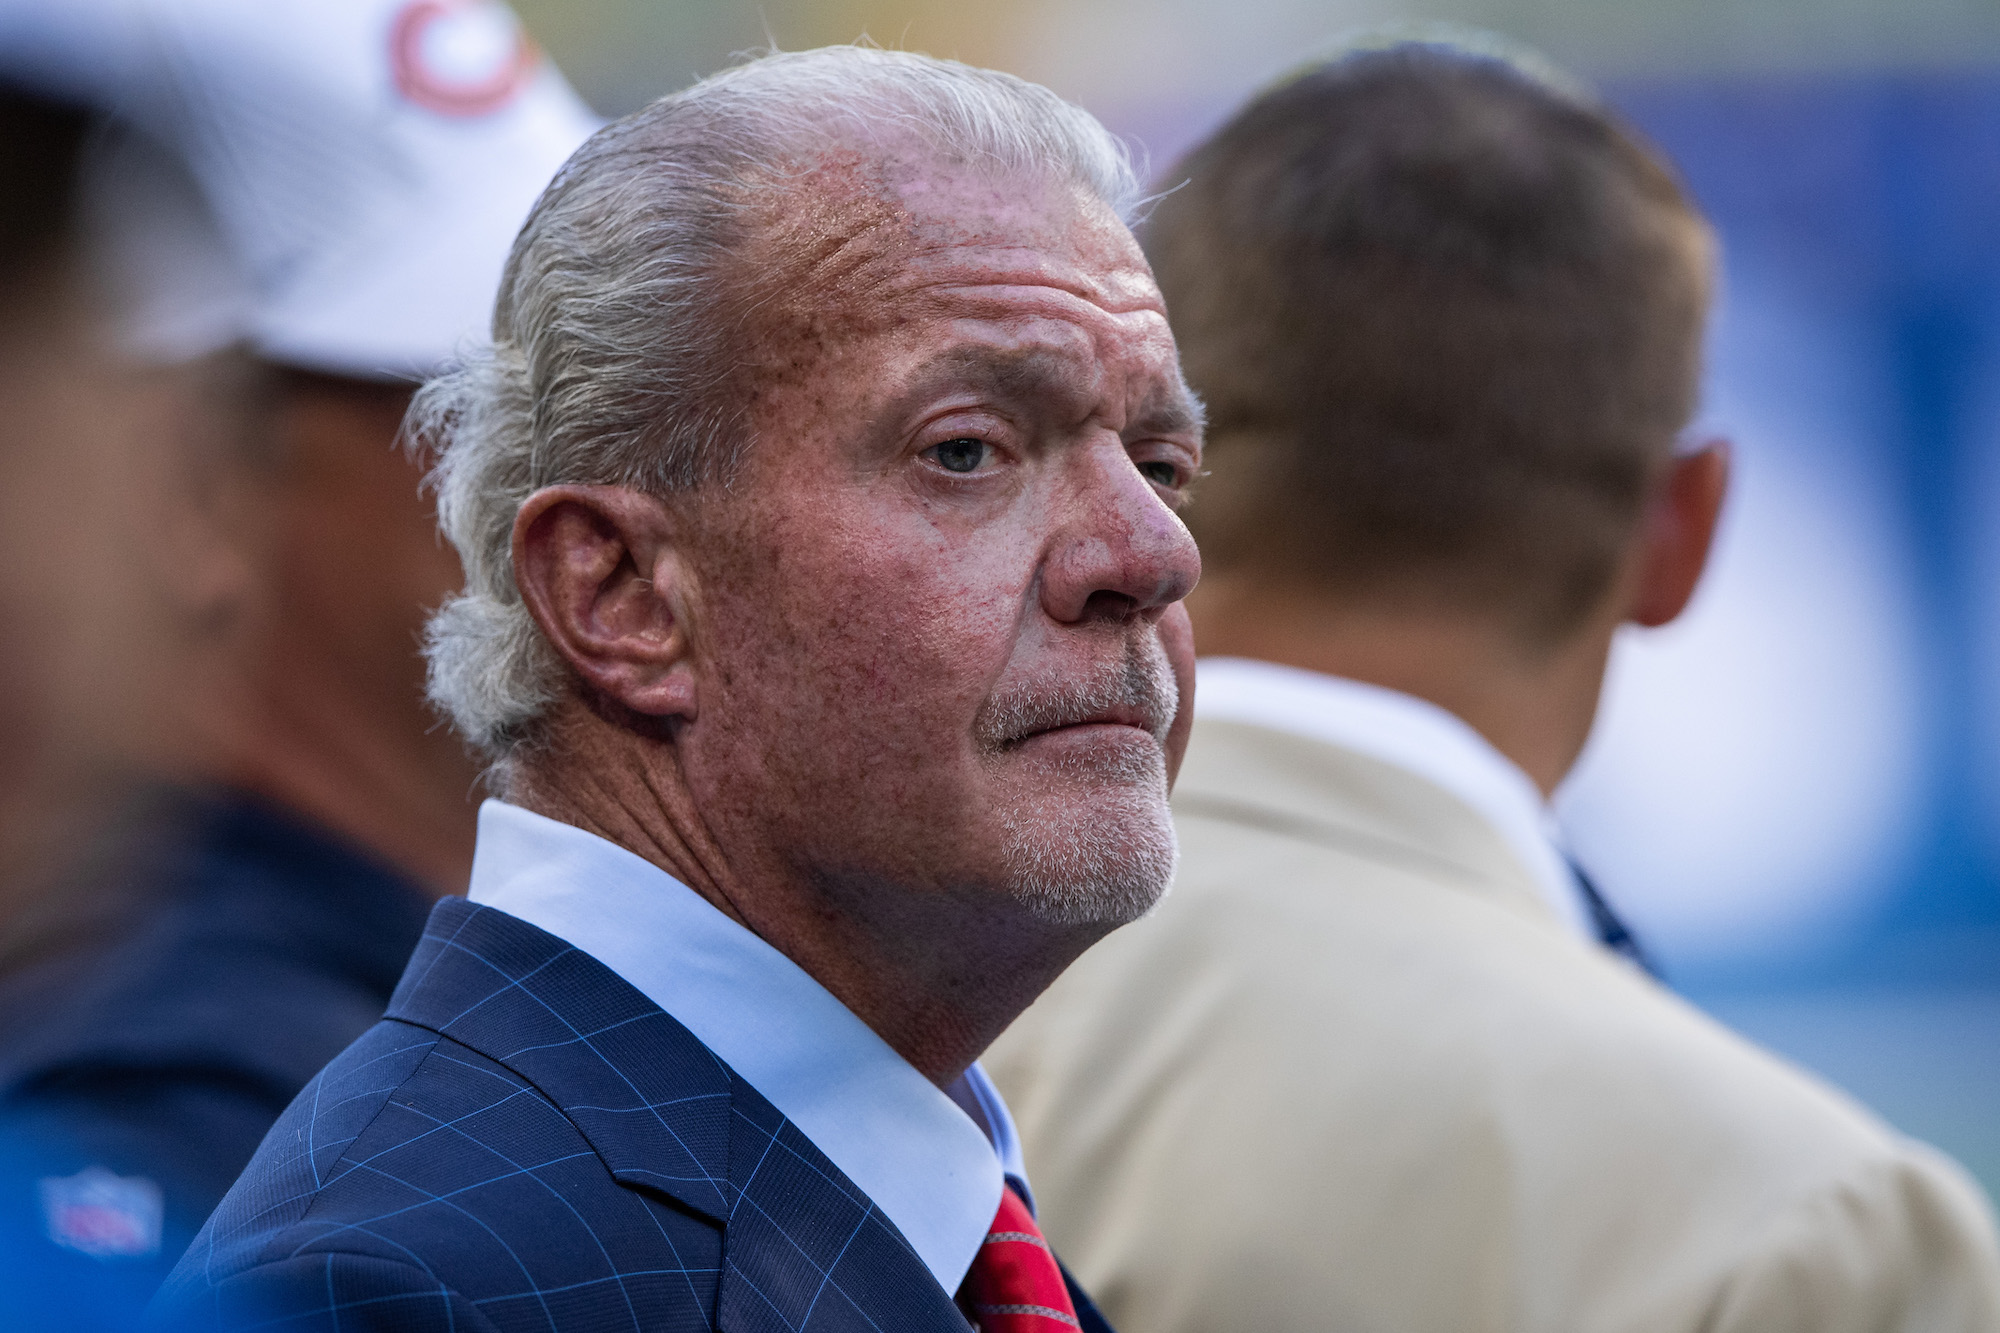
(1016, 370)
(1029, 371)
(1020, 373)
(1172, 410)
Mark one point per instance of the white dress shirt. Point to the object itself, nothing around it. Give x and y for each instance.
(933, 1161)
(1413, 734)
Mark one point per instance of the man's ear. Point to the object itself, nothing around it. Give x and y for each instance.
(597, 569)
(1679, 532)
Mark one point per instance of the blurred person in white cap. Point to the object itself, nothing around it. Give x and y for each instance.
(320, 194)
(61, 438)
(107, 552)
(1386, 1062)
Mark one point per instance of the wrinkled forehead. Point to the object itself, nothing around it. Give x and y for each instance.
(859, 243)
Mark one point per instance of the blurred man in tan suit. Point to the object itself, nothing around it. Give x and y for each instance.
(1377, 1064)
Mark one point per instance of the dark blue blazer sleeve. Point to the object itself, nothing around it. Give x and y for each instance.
(329, 1293)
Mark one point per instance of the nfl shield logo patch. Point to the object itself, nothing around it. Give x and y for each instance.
(105, 1215)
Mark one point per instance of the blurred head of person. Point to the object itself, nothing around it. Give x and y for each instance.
(348, 179)
(52, 378)
(1447, 313)
(51, 419)
(41, 162)
(111, 558)
(817, 501)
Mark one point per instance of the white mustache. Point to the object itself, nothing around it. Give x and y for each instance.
(1143, 684)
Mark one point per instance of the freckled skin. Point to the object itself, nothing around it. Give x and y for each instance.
(781, 679)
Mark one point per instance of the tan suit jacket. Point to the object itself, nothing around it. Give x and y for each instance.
(1354, 1076)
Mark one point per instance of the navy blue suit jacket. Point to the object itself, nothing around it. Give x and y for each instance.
(527, 1142)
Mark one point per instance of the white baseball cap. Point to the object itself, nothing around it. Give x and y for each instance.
(364, 164)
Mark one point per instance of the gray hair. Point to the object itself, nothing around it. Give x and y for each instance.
(609, 363)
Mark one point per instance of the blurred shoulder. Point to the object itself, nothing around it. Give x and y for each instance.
(1319, 948)
(1343, 1046)
(222, 906)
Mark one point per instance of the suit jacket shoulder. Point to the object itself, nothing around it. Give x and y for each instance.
(1406, 1095)
(527, 1141)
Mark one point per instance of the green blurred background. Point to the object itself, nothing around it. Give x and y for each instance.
(1130, 60)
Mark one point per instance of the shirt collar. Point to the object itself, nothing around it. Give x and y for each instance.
(1414, 735)
(932, 1161)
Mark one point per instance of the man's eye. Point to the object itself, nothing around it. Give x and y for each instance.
(1161, 474)
(959, 455)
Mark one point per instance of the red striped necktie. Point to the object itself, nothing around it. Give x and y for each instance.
(1015, 1285)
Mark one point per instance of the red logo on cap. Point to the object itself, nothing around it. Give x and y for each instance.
(459, 57)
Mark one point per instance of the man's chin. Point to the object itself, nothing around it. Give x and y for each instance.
(1106, 859)
(1093, 756)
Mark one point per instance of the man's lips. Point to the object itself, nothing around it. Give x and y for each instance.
(1115, 717)
(1138, 694)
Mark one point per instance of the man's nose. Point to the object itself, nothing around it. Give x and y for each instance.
(1120, 550)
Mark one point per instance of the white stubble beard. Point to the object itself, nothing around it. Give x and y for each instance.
(1110, 861)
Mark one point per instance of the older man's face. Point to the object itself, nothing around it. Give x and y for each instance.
(938, 617)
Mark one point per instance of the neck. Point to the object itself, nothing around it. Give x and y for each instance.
(398, 784)
(1533, 703)
(332, 721)
(938, 975)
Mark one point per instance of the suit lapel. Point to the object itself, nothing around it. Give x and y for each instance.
(806, 1251)
(652, 1101)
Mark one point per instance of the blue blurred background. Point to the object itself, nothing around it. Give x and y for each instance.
(1799, 788)
(1794, 792)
